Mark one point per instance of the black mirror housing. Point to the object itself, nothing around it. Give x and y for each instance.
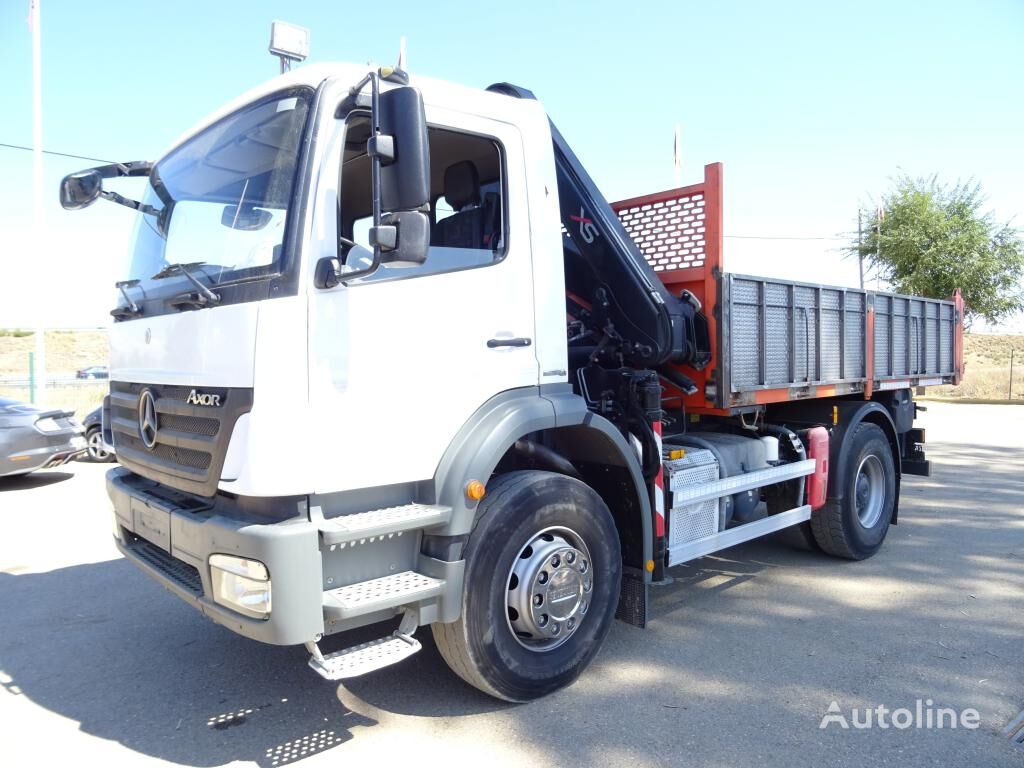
(80, 190)
(405, 179)
(412, 241)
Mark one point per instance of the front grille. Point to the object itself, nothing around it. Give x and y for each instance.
(194, 424)
(191, 440)
(178, 571)
(182, 457)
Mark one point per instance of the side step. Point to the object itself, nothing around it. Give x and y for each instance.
(379, 594)
(381, 522)
(691, 550)
(367, 657)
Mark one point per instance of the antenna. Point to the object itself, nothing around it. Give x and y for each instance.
(401, 53)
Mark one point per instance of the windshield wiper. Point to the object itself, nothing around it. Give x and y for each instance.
(205, 297)
(133, 309)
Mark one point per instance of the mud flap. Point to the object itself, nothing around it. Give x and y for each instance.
(632, 607)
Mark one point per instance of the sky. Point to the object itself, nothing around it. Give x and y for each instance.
(812, 107)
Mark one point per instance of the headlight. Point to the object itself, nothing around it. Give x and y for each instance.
(47, 425)
(241, 585)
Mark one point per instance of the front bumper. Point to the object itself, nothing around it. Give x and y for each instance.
(171, 535)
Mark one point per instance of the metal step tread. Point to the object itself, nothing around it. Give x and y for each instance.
(378, 594)
(379, 522)
(367, 657)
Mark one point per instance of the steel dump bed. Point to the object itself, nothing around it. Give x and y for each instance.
(778, 340)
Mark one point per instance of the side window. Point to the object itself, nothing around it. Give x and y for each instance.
(467, 211)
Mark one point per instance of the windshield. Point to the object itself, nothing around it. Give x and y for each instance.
(221, 200)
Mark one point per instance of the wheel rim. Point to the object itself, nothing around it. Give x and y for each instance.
(96, 449)
(869, 491)
(549, 589)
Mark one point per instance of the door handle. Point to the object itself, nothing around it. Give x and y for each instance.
(518, 341)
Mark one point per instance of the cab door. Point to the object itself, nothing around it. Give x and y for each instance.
(400, 360)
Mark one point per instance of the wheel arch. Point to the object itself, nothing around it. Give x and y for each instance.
(599, 451)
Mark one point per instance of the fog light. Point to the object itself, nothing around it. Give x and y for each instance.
(241, 585)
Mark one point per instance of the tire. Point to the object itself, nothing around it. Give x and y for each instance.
(855, 527)
(515, 537)
(94, 444)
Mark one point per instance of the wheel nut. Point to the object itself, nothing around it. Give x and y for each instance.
(555, 561)
(538, 600)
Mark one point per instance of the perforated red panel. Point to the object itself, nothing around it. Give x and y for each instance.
(679, 232)
(669, 233)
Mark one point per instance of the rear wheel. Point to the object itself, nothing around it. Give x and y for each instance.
(855, 526)
(543, 570)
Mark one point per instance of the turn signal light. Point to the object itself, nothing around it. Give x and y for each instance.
(475, 490)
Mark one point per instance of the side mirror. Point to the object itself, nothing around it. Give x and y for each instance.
(247, 217)
(80, 190)
(411, 238)
(405, 159)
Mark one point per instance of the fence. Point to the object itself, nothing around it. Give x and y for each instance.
(67, 351)
(989, 375)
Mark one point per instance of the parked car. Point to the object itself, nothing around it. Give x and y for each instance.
(98, 451)
(32, 438)
(93, 372)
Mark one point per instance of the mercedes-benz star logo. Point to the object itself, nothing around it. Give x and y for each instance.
(147, 419)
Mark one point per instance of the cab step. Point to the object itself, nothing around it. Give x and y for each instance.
(391, 591)
(367, 657)
(381, 522)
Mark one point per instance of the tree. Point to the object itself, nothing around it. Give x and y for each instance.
(929, 238)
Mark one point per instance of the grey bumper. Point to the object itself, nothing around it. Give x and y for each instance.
(171, 538)
(46, 456)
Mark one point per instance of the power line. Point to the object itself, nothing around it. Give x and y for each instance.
(731, 237)
(778, 237)
(59, 154)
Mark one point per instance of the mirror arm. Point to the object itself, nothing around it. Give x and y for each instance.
(375, 161)
(116, 170)
(129, 203)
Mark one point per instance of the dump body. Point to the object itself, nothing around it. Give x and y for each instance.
(779, 340)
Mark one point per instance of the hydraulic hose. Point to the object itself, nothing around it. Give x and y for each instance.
(798, 447)
(546, 456)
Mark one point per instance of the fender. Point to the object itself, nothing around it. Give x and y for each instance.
(497, 424)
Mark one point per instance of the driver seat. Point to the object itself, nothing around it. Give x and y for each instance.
(465, 227)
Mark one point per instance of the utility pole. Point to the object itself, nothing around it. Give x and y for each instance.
(677, 156)
(1009, 396)
(39, 377)
(860, 252)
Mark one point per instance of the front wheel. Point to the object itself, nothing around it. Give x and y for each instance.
(543, 570)
(855, 526)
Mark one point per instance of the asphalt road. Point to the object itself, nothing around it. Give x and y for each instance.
(743, 655)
